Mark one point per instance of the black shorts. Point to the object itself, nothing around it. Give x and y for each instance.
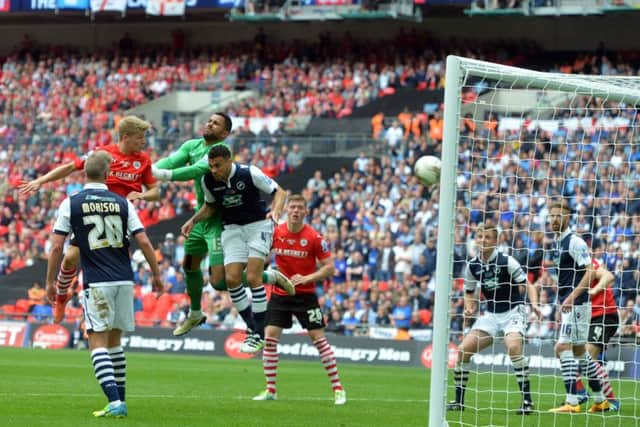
(602, 328)
(304, 306)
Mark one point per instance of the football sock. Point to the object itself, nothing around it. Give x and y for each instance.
(103, 369)
(241, 303)
(589, 368)
(461, 377)
(521, 368)
(194, 281)
(65, 278)
(270, 363)
(328, 359)
(119, 369)
(569, 369)
(259, 307)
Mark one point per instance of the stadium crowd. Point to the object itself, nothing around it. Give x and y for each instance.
(380, 221)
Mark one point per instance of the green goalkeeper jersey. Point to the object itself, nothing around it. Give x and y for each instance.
(189, 162)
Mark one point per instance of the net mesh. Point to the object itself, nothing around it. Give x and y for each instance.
(524, 138)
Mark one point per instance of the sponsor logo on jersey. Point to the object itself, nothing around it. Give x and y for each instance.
(232, 200)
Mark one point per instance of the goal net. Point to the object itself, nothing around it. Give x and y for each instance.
(515, 140)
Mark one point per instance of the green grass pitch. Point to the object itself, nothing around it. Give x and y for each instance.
(57, 388)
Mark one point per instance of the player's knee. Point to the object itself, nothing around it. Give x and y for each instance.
(233, 280)
(191, 262)
(561, 347)
(514, 350)
(464, 355)
(217, 274)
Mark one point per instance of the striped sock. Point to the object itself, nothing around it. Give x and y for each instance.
(589, 369)
(461, 377)
(569, 369)
(103, 369)
(607, 390)
(328, 360)
(119, 369)
(521, 369)
(65, 278)
(270, 363)
(241, 303)
(259, 307)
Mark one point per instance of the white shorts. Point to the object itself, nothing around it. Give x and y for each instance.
(108, 307)
(514, 320)
(574, 326)
(241, 242)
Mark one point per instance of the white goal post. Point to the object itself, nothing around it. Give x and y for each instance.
(549, 89)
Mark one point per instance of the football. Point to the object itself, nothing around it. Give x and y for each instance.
(427, 170)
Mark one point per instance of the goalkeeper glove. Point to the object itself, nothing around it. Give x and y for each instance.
(161, 174)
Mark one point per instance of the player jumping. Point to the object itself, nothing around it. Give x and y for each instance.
(130, 170)
(191, 162)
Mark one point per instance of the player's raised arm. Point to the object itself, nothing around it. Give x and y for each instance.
(184, 173)
(176, 159)
(60, 172)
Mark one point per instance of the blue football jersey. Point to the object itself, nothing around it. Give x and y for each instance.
(101, 222)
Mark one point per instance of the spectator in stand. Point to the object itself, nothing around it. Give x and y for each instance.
(187, 131)
(175, 316)
(317, 184)
(393, 137)
(355, 268)
(36, 295)
(295, 156)
(340, 271)
(173, 130)
(176, 284)
(629, 323)
(334, 323)
(168, 247)
(402, 255)
(401, 315)
(377, 126)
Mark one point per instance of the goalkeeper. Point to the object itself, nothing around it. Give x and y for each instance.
(500, 278)
(190, 162)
